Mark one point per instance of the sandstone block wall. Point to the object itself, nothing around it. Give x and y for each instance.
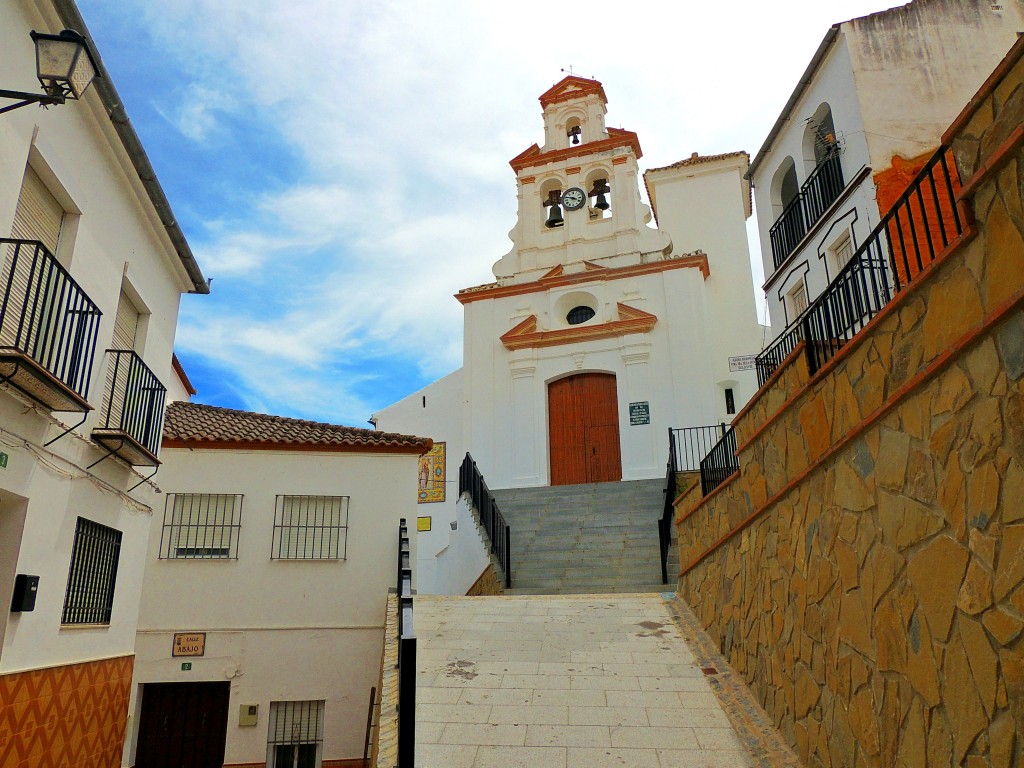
(864, 570)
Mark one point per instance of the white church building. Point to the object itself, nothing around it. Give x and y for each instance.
(599, 333)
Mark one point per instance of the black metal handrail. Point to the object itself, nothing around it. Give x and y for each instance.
(134, 401)
(822, 187)
(406, 653)
(720, 463)
(687, 447)
(493, 522)
(923, 221)
(46, 315)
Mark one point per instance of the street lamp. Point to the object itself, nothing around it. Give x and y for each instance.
(64, 66)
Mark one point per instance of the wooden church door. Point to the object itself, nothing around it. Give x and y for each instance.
(583, 429)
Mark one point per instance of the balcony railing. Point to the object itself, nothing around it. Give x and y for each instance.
(493, 522)
(921, 224)
(48, 328)
(133, 410)
(817, 194)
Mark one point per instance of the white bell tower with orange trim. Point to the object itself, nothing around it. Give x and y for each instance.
(579, 194)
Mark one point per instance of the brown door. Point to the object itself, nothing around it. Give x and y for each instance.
(183, 725)
(583, 429)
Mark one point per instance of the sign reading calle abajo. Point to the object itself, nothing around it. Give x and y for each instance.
(189, 644)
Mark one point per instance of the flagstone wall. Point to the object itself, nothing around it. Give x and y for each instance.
(864, 570)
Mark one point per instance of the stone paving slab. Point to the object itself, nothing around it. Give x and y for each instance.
(580, 681)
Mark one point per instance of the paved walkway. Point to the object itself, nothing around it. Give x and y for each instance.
(581, 681)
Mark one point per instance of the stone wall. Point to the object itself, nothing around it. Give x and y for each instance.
(864, 571)
(488, 583)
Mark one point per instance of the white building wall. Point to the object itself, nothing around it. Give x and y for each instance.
(278, 630)
(436, 411)
(110, 236)
(703, 207)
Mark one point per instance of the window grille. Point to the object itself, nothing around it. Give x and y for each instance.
(579, 315)
(296, 735)
(201, 526)
(90, 593)
(310, 528)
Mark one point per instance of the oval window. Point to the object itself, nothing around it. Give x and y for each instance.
(579, 315)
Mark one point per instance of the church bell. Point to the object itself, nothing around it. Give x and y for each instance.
(554, 217)
(602, 202)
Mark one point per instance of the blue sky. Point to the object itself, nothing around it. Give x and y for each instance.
(340, 169)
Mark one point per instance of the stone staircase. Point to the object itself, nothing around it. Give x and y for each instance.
(587, 539)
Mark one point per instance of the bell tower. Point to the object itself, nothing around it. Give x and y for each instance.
(579, 194)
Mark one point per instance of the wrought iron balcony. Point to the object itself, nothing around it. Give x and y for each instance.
(817, 194)
(48, 328)
(133, 410)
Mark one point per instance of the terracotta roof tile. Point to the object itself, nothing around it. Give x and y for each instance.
(198, 425)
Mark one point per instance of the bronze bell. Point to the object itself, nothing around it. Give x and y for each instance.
(554, 217)
(602, 202)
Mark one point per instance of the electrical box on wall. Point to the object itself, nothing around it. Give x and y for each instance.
(248, 714)
(24, 598)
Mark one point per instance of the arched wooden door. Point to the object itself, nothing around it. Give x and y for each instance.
(583, 429)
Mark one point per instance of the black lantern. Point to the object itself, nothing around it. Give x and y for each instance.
(65, 68)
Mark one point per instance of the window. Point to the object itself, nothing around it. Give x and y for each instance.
(296, 735)
(310, 528)
(842, 252)
(579, 315)
(201, 526)
(90, 593)
(730, 402)
(797, 300)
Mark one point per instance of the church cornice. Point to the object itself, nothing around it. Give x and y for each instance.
(572, 87)
(617, 137)
(631, 320)
(555, 278)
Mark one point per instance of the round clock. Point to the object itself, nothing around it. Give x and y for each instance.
(574, 198)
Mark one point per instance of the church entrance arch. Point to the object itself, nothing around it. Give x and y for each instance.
(583, 429)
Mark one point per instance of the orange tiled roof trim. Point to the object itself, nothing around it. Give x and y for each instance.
(207, 426)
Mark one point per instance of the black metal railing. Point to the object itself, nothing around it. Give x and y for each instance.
(95, 552)
(818, 192)
(46, 315)
(134, 401)
(822, 187)
(686, 448)
(720, 463)
(498, 532)
(919, 226)
(406, 654)
(787, 231)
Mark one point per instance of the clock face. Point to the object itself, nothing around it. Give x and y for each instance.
(574, 198)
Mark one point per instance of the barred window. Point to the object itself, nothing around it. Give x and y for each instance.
(310, 528)
(90, 593)
(201, 526)
(296, 734)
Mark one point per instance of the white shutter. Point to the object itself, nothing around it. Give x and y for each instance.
(125, 324)
(38, 216)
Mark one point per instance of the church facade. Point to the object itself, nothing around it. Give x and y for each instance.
(600, 332)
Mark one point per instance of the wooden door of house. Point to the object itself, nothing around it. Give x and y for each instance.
(583, 429)
(183, 725)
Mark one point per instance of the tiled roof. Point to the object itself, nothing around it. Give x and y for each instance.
(196, 425)
(696, 159)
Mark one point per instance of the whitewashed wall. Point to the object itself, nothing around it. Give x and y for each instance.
(279, 630)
